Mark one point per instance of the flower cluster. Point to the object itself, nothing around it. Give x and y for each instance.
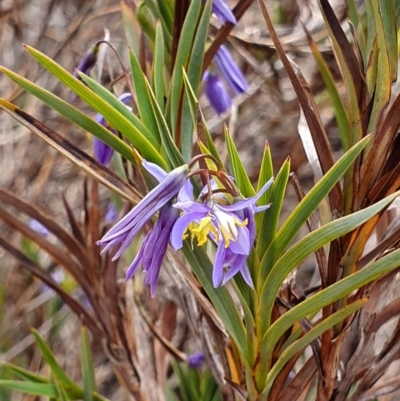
(215, 87)
(211, 217)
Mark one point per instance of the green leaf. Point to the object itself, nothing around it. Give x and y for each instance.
(115, 118)
(23, 373)
(181, 60)
(331, 87)
(56, 369)
(267, 229)
(47, 390)
(153, 7)
(142, 97)
(170, 148)
(304, 341)
(266, 172)
(158, 67)
(72, 114)
(62, 395)
(194, 70)
(89, 384)
(307, 206)
(239, 172)
(305, 247)
(112, 100)
(131, 25)
(220, 297)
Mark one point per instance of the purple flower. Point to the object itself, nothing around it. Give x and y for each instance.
(39, 228)
(230, 70)
(102, 152)
(195, 360)
(155, 244)
(217, 93)
(154, 248)
(231, 228)
(111, 213)
(88, 61)
(223, 12)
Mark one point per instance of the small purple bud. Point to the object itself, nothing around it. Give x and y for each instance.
(217, 93)
(38, 227)
(223, 12)
(230, 70)
(195, 360)
(111, 214)
(88, 61)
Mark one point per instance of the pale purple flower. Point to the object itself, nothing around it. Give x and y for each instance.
(39, 228)
(158, 199)
(195, 360)
(230, 70)
(111, 213)
(230, 226)
(217, 93)
(223, 12)
(102, 152)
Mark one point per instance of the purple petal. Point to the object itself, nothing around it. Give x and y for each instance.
(236, 266)
(39, 228)
(185, 195)
(111, 213)
(217, 93)
(218, 268)
(195, 360)
(230, 70)
(88, 61)
(126, 97)
(180, 228)
(156, 171)
(102, 152)
(247, 202)
(223, 12)
(137, 261)
(242, 246)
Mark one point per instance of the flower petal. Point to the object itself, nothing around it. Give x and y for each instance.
(180, 228)
(223, 12)
(218, 267)
(156, 171)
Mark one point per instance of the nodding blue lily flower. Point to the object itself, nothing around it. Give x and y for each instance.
(155, 244)
(230, 226)
(217, 93)
(102, 152)
(223, 12)
(230, 70)
(88, 61)
(195, 360)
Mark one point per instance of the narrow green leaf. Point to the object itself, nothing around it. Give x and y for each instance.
(199, 122)
(62, 395)
(266, 172)
(239, 172)
(158, 67)
(388, 14)
(56, 369)
(307, 206)
(72, 114)
(131, 25)
(46, 390)
(153, 7)
(145, 22)
(114, 117)
(112, 100)
(23, 373)
(338, 106)
(310, 336)
(267, 229)
(165, 9)
(142, 97)
(220, 297)
(182, 57)
(305, 247)
(89, 384)
(193, 77)
(170, 148)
